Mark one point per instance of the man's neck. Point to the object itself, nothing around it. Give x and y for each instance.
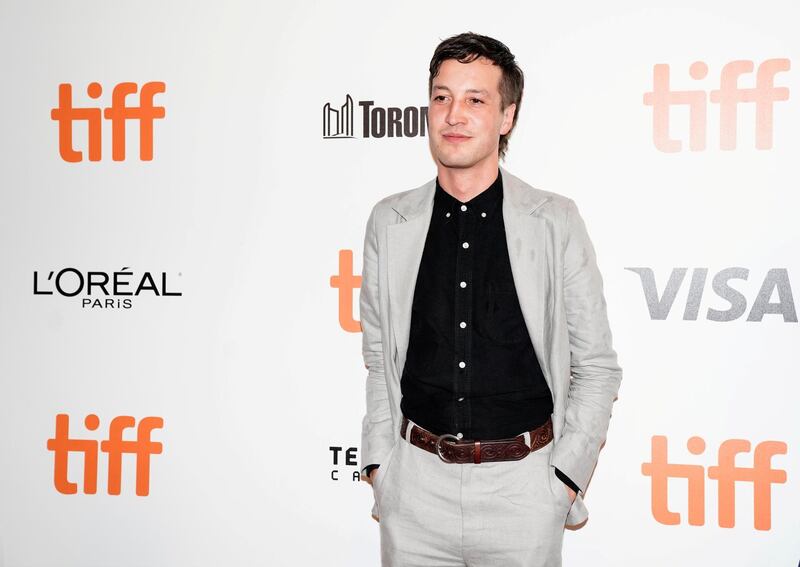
(465, 184)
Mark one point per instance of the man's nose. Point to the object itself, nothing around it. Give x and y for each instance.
(455, 114)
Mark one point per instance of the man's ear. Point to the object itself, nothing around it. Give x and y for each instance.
(508, 118)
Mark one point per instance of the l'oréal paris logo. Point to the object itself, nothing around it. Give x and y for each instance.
(104, 290)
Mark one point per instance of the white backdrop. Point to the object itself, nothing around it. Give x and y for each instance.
(244, 210)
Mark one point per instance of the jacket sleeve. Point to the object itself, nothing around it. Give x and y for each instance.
(595, 374)
(376, 427)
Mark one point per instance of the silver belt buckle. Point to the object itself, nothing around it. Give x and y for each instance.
(439, 442)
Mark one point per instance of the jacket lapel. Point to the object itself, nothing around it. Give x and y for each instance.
(405, 243)
(526, 238)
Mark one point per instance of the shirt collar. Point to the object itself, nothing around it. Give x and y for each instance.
(482, 202)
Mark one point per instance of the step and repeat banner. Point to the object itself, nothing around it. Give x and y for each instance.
(185, 189)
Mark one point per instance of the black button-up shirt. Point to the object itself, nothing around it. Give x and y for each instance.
(470, 366)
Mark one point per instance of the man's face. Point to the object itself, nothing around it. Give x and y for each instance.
(465, 119)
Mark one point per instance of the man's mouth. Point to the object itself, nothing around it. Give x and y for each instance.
(455, 138)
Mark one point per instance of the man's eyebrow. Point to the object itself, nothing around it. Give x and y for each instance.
(471, 91)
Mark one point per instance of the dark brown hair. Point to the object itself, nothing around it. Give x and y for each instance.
(465, 48)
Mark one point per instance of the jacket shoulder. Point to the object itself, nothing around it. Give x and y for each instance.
(388, 208)
(553, 204)
(391, 200)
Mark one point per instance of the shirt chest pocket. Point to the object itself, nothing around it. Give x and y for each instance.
(503, 319)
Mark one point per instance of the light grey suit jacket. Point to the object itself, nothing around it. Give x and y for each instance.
(560, 292)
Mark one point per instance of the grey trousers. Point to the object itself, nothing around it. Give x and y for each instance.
(497, 514)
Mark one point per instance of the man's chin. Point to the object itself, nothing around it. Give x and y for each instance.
(461, 162)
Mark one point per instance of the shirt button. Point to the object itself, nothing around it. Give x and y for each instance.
(461, 399)
(465, 245)
(463, 207)
(483, 214)
(462, 364)
(447, 215)
(463, 284)
(460, 435)
(462, 324)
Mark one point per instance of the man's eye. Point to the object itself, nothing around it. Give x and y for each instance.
(438, 97)
(477, 100)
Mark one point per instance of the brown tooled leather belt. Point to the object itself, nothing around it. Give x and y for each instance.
(453, 450)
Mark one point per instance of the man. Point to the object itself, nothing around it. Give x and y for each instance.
(491, 373)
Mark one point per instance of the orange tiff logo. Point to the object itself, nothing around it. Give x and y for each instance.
(726, 473)
(118, 113)
(346, 283)
(62, 445)
(729, 96)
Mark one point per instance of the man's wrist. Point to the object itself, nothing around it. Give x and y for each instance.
(566, 480)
